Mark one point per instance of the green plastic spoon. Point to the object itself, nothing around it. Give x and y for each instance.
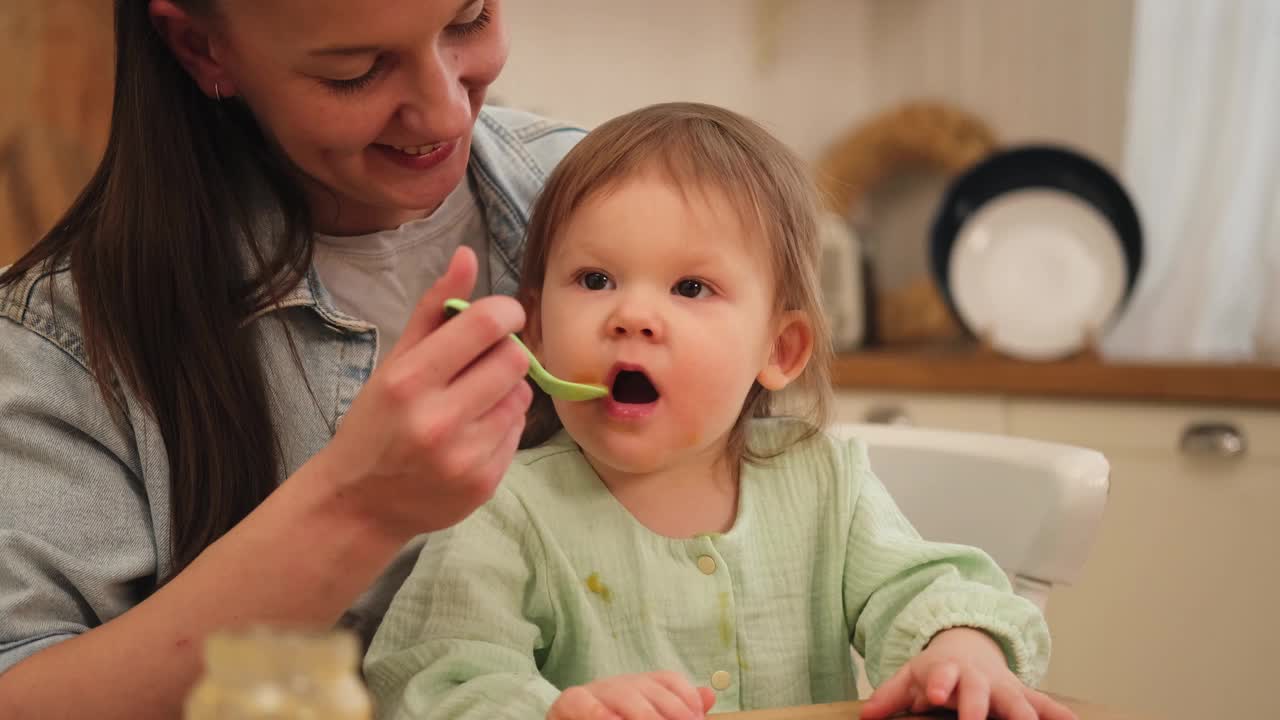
(552, 385)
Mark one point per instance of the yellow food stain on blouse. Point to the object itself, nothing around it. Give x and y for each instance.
(599, 588)
(726, 624)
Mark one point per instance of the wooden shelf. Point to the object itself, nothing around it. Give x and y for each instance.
(970, 371)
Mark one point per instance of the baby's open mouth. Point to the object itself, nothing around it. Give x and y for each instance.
(632, 387)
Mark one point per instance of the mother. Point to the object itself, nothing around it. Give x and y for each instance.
(218, 403)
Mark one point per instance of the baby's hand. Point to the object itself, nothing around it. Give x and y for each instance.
(647, 696)
(965, 670)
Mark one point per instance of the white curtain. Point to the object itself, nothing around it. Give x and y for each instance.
(1203, 164)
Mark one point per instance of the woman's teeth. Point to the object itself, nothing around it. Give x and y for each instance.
(417, 150)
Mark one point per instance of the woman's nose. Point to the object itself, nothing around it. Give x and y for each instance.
(437, 105)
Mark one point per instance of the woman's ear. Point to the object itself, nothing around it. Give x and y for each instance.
(191, 40)
(792, 347)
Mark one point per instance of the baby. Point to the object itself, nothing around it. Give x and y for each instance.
(675, 547)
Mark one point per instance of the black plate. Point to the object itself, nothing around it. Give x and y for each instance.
(1034, 166)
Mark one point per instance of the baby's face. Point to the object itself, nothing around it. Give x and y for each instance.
(666, 298)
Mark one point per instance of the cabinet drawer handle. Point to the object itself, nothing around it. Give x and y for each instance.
(1213, 440)
(888, 415)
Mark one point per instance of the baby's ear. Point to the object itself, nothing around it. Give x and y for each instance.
(532, 333)
(792, 348)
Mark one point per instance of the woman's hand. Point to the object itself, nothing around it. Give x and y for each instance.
(646, 696)
(962, 669)
(433, 430)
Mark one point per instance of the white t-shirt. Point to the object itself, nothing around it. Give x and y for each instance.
(380, 277)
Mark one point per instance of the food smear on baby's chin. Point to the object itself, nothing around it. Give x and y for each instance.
(585, 378)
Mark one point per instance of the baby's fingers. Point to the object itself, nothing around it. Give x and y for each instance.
(893, 696)
(941, 683)
(1008, 702)
(680, 691)
(577, 703)
(670, 706)
(1046, 707)
(708, 697)
(975, 696)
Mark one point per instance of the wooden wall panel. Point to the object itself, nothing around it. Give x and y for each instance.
(55, 83)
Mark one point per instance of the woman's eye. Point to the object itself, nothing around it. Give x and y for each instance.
(472, 25)
(355, 84)
(595, 281)
(691, 288)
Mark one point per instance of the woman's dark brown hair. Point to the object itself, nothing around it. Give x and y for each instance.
(169, 261)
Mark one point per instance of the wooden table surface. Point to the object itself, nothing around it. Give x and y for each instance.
(849, 711)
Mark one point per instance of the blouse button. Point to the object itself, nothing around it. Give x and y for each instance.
(707, 564)
(720, 680)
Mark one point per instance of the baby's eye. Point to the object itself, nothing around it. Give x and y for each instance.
(595, 281)
(691, 288)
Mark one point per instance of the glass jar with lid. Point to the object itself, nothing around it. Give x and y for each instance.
(265, 674)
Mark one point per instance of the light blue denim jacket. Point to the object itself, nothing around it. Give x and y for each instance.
(84, 501)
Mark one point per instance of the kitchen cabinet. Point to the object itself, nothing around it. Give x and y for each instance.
(1174, 612)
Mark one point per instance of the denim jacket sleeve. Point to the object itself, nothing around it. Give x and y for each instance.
(76, 540)
(84, 498)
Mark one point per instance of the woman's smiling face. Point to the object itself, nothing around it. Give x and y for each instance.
(373, 102)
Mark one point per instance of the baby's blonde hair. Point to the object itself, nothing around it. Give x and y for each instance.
(702, 147)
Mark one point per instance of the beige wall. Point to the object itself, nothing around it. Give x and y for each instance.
(797, 64)
(1033, 69)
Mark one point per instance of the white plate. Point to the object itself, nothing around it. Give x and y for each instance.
(1037, 273)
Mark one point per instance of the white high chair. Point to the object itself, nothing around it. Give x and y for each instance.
(1034, 506)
